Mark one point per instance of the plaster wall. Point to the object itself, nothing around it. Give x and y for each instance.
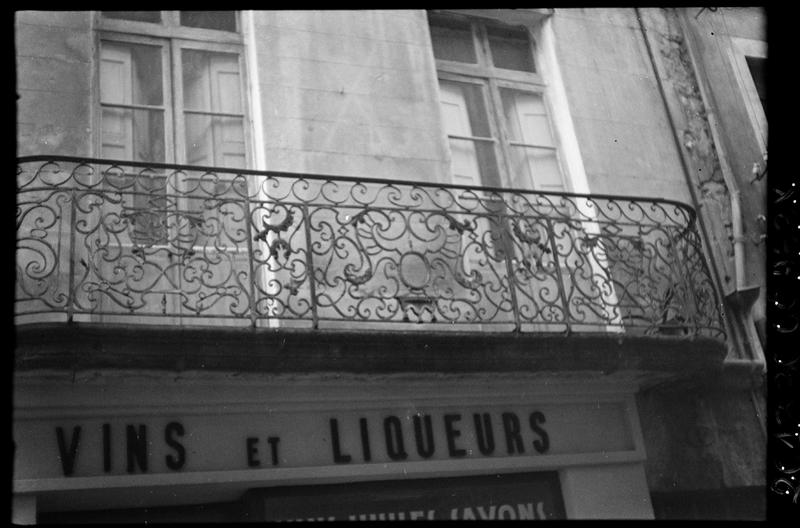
(349, 95)
(620, 122)
(54, 77)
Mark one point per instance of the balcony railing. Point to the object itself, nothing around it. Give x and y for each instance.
(101, 240)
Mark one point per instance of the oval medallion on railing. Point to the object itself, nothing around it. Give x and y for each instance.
(415, 272)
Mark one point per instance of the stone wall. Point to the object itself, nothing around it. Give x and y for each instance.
(701, 438)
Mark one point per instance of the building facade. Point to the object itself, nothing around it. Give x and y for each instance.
(289, 265)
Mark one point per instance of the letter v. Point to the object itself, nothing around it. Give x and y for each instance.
(484, 516)
(68, 457)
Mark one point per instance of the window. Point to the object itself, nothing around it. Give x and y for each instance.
(498, 119)
(141, 16)
(133, 101)
(221, 20)
(494, 105)
(171, 90)
(757, 67)
(748, 64)
(169, 93)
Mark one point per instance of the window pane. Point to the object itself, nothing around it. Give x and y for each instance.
(452, 40)
(139, 16)
(222, 20)
(464, 113)
(535, 169)
(211, 81)
(131, 74)
(136, 135)
(526, 117)
(757, 68)
(464, 109)
(510, 48)
(526, 120)
(212, 85)
(215, 141)
(473, 163)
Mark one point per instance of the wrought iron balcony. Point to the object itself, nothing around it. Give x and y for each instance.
(101, 241)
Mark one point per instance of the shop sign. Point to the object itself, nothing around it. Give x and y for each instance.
(234, 438)
(526, 496)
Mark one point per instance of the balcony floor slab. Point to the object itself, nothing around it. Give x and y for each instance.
(81, 347)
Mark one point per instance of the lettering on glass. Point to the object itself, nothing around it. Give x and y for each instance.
(516, 496)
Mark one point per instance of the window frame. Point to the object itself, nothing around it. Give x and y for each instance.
(177, 47)
(485, 90)
(508, 143)
(169, 27)
(496, 78)
(169, 105)
(173, 38)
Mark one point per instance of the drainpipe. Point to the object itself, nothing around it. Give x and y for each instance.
(727, 175)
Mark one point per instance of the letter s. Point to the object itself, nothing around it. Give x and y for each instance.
(543, 444)
(172, 429)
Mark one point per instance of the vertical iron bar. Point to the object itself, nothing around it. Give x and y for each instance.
(689, 289)
(70, 294)
(250, 255)
(512, 283)
(310, 266)
(560, 279)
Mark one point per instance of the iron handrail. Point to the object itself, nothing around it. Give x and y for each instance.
(100, 238)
